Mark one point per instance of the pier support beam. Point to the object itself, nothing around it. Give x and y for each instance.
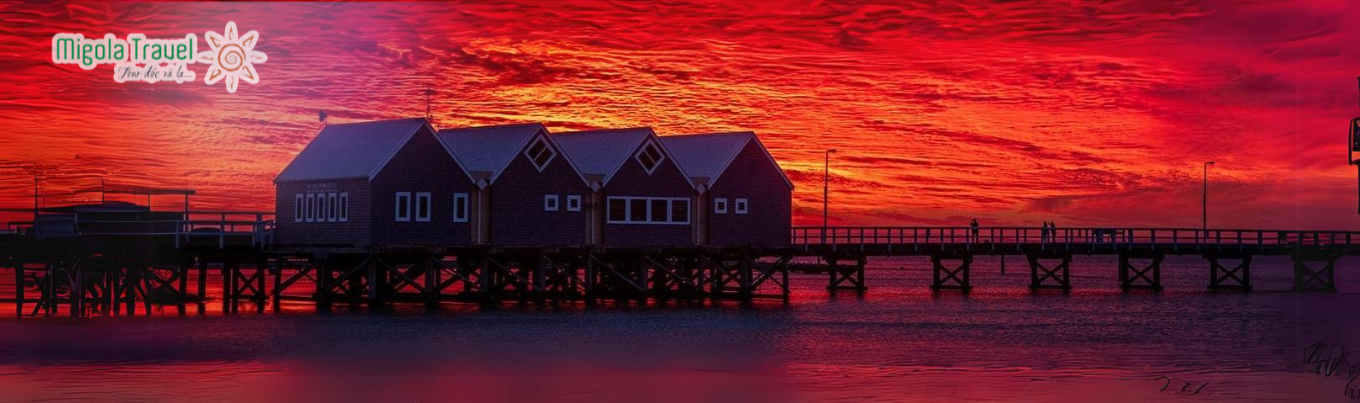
(1040, 271)
(1315, 271)
(1133, 274)
(1222, 276)
(846, 277)
(956, 278)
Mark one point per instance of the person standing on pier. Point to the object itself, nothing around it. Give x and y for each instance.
(974, 225)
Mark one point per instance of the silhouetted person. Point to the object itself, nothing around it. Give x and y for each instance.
(974, 225)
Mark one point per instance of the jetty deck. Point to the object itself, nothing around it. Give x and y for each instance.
(126, 266)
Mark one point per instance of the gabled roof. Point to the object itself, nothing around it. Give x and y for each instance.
(709, 155)
(351, 150)
(492, 148)
(602, 152)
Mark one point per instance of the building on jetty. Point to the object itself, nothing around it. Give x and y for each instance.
(383, 183)
(529, 193)
(742, 196)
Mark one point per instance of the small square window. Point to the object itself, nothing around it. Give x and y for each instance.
(403, 206)
(550, 203)
(741, 206)
(423, 206)
(540, 153)
(650, 156)
(574, 203)
(720, 205)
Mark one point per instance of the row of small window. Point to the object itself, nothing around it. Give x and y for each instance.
(321, 207)
(553, 203)
(720, 206)
(420, 207)
(648, 210)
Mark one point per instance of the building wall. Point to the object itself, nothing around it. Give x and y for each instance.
(633, 180)
(422, 165)
(769, 203)
(517, 215)
(355, 232)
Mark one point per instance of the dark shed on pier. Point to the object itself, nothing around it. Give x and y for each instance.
(641, 198)
(530, 192)
(380, 183)
(743, 196)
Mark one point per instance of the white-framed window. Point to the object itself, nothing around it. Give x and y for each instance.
(650, 156)
(540, 153)
(333, 208)
(322, 207)
(741, 206)
(720, 205)
(311, 207)
(423, 207)
(648, 210)
(460, 207)
(344, 208)
(550, 203)
(574, 203)
(403, 206)
(298, 207)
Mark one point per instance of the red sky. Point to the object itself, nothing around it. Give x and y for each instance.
(1084, 113)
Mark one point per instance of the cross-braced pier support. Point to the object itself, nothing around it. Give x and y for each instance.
(954, 276)
(1315, 271)
(1042, 269)
(1140, 271)
(846, 277)
(1232, 275)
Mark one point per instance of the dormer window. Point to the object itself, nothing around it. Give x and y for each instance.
(650, 157)
(540, 153)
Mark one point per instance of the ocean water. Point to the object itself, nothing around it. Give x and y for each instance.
(897, 342)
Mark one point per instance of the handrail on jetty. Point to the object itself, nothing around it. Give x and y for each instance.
(1001, 239)
(184, 227)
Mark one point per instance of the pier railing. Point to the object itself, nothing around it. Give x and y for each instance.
(1022, 238)
(220, 227)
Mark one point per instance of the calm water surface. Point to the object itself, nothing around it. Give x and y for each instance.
(898, 342)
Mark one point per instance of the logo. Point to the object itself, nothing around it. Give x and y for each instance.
(137, 58)
(233, 57)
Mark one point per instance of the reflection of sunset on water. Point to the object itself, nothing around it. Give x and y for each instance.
(1084, 114)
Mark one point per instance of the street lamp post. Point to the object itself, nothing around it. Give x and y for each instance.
(826, 185)
(1204, 198)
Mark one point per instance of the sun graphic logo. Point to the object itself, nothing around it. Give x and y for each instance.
(233, 57)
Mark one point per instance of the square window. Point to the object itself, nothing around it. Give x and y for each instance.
(574, 203)
(403, 206)
(540, 153)
(618, 210)
(298, 207)
(311, 207)
(423, 206)
(741, 206)
(649, 156)
(720, 205)
(550, 203)
(460, 207)
(680, 211)
(344, 207)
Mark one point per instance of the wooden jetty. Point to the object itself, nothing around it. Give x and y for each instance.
(126, 265)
